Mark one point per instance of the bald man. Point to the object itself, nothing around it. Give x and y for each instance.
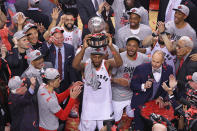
(159, 127)
(146, 85)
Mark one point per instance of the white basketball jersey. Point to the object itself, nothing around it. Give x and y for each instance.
(97, 104)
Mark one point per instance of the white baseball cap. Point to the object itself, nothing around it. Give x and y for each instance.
(15, 17)
(56, 30)
(28, 27)
(19, 34)
(15, 82)
(135, 11)
(182, 8)
(34, 55)
(51, 73)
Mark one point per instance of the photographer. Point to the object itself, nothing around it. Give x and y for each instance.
(183, 113)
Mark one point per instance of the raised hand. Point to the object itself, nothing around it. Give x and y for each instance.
(161, 27)
(148, 84)
(21, 19)
(3, 51)
(14, 40)
(76, 90)
(55, 13)
(41, 28)
(33, 82)
(107, 6)
(109, 38)
(85, 41)
(101, 7)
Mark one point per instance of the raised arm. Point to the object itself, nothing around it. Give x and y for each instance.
(77, 64)
(117, 61)
(167, 41)
(54, 15)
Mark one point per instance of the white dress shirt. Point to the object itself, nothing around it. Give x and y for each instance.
(157, 77)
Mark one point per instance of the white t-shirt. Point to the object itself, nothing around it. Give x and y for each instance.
(69, 38)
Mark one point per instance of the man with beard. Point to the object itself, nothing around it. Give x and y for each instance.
(97, 103)
(179, 27)
(121, 92)
(32, 35)
(16, 57)
(72, 34)
(134, 28)
(161, 37)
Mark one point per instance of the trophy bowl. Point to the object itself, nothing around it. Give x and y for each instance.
(96, 26)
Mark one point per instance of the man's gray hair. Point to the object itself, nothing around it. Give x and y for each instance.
(188, 41)
(160, 53)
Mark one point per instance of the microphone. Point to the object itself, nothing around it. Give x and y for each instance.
(151, 77)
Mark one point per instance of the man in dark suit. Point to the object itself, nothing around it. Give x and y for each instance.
(90, 8)
(184, 65)
(61, 56)
(146, 85)
(191, 19)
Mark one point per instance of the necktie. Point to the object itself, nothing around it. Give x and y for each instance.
(180, 65)
(157, 71)
(96, 5)
(169, 13)
(60, 62)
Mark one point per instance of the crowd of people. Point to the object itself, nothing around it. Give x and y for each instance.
(47, 63)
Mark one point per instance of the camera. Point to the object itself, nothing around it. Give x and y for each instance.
(160, 119)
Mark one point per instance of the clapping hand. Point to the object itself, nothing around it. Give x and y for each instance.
(75, 89)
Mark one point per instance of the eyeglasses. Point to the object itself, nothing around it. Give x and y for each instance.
(179, 47)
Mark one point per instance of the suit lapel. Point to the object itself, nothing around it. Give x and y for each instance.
(53, 54)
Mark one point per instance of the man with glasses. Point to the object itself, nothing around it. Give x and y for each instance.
(61, 56)
(184, 65)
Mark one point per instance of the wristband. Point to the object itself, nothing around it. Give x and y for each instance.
(162, 33)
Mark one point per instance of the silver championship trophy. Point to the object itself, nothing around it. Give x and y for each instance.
(96, 25)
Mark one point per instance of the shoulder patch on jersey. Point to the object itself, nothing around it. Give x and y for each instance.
(48, 98)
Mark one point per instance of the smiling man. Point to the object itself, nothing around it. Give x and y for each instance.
(134, 28)
(179, 27)
(121, 92)
(72, 34)
(146, 85)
